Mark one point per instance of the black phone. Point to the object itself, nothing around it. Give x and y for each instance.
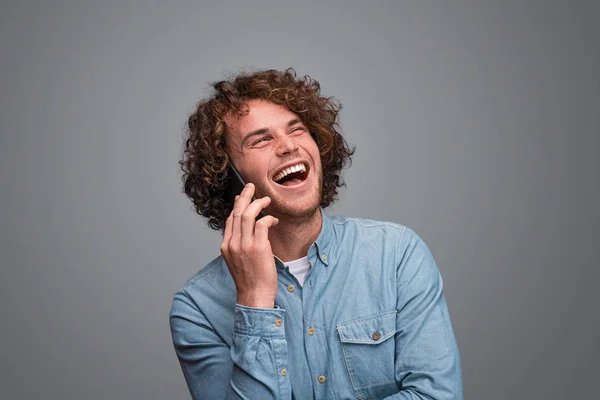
(235, 185)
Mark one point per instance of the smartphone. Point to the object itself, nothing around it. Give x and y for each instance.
(235, 185)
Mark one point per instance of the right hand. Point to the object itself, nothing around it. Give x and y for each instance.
(247, 251)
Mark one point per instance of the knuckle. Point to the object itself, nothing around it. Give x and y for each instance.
(234, 247)
(250, 248)
(262, 223)
(247, 215)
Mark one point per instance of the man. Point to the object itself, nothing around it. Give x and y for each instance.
(301, 304)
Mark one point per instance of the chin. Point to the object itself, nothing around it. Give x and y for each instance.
(294, 211)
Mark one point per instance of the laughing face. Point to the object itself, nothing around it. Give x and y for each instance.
(273, 149)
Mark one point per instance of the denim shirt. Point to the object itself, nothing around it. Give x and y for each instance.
(370, 322)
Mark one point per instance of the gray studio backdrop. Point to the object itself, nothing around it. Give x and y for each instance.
(476, 124)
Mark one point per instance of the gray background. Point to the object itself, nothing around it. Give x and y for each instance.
(476, 124)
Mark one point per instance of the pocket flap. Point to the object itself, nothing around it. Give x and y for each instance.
(372, 329)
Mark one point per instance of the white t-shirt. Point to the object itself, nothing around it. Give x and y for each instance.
(299, 268)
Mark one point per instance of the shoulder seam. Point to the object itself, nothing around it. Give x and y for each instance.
(372, 224)
(200, 275)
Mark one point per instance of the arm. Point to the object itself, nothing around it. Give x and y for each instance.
(427, 360)
(250, 369)
(256, 365)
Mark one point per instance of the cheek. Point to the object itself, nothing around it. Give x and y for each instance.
(311, 147)
(258, 173)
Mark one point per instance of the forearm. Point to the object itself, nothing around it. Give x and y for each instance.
(259, 354)
(247, 367)
(410, 394)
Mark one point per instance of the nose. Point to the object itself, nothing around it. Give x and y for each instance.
(286, 145)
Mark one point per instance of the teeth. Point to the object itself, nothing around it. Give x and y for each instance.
(290, 170)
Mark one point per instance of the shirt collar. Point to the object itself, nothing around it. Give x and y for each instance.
(323, 242)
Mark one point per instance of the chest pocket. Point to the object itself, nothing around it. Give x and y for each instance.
(369, 351)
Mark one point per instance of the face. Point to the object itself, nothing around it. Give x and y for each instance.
(272, 148)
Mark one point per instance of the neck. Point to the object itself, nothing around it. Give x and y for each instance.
(290, 239)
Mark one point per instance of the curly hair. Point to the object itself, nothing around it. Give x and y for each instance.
(205, 160)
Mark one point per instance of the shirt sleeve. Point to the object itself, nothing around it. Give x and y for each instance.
(254, 367)
(427, 363)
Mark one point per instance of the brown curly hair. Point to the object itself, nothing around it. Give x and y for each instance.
(204, 162)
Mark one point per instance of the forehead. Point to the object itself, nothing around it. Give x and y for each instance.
(261, 114)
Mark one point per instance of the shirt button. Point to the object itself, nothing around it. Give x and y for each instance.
(291, 288)
(311, 331)
(376, 336)
(324, 257)
(278, 322)
(284, 372)
(321, 379)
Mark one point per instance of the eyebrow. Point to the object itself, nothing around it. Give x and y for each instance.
(262, 131)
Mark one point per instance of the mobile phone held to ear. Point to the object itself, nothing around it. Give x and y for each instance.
(235, 185)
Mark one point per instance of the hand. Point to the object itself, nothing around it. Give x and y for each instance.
(247, 251)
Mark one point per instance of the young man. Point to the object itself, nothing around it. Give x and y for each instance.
(301, 304)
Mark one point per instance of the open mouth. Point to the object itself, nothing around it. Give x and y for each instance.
(292, 175)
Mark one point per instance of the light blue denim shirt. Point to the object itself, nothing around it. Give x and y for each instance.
(370, 322)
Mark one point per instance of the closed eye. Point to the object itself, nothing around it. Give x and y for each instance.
(298, 129)
(260, 140)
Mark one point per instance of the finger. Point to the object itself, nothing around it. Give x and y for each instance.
(239, 206)
(227, 234)
(261, 232)
(249, 218)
